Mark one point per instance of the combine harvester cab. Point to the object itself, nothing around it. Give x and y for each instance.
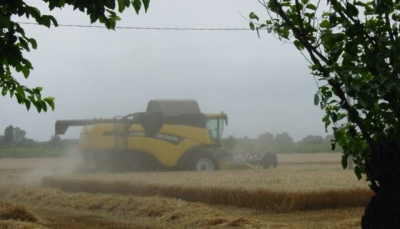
(170, 135)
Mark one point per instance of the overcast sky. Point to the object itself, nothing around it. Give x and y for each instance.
(262, 84)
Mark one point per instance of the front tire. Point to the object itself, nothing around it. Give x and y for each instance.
(202, 161)
(269, 161)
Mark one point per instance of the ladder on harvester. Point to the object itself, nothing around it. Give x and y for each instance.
(118, 133)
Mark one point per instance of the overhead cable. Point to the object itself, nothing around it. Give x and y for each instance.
(145, 28)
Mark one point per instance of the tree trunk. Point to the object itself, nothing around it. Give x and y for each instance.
(383, 171)
(382, 211)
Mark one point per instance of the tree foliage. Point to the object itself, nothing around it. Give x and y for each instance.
(353, 49)
(312, 139)
(229, 143)
(267, 139)
(19, 134)
(283, 139)
(14, 42)
(9, 136)
(13, 136)
(55, 141)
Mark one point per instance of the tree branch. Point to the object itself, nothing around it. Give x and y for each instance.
(391, 36)
(335, 85)
(298, 35)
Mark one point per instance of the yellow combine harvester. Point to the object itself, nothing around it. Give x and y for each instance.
(170, 135)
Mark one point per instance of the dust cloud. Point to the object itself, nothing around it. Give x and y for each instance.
(53, 166)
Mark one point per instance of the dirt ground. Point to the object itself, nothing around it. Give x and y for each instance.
(22, 194)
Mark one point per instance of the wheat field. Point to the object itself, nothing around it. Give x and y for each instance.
(302, 177)
(305, 191)
(289, 188)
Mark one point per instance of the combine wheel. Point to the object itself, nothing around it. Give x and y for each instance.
(202, 161)
(269, 161)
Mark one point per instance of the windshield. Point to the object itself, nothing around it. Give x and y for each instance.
(215, 127)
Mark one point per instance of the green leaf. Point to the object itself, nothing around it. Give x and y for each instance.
(27, 63)
(52, 5)
(344, 160)
(325, 24)
(111, 24)
(45, 20)
(252, 27)
(19, 99)
(253, 16)
(273, 5)
(283, 4)
(27, 104)
(357, 171)
(20, 92)
(341, 116)
(284, 33)
(146, 4)
(37, 90)
(43, 105)
(360, 3)
(25, 70)
(38, 106)
(110, 4)
(316, 99)
(369, 11)
(351, 9)
(34, 12)
(4, 91)
(311, 7)
(121, 5)
(334, 117)
(298, 45)
(333, 18)
(137, 4)
(50, 101)
(23, 44)
(352, 132)
(333, 145)
(311, 16)
(363, 101)
(93, 18)
(33, 43)
(55, 23)
(384, 106)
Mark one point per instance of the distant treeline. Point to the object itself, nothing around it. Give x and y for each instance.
(14, 144)
(40, 150)
(280, 143)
